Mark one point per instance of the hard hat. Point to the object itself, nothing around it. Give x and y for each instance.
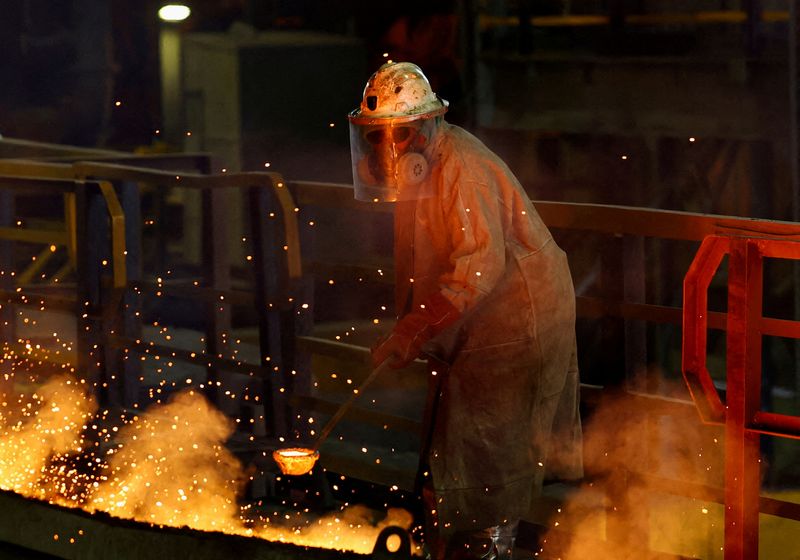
(398, 90)
(392, 132)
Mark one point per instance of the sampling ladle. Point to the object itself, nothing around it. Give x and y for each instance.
(300, 460)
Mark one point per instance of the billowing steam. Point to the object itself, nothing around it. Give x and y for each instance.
(171, 468)
(38, 434)
(354, 529)
(165, 466)
(630, 502)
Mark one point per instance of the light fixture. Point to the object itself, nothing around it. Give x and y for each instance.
(174, 12)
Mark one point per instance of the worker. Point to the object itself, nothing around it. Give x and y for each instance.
(482, 286)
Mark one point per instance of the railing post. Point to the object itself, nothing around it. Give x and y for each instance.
(742, 464)
(91, 232)
(623, 527)
(130, 323)
(7, 328)
(7, 321)
(216, 275)
(633, 276)
(612, 329)
(794, 162)
(271, 297)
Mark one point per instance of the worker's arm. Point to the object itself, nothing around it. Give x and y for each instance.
(413, 330)
(474, 226)
(478, 257)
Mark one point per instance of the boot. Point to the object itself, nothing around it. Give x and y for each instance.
(493, 543)
(500, 539)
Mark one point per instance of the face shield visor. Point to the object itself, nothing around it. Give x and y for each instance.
(392, 157)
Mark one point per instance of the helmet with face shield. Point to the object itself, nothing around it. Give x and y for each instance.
(392, 135)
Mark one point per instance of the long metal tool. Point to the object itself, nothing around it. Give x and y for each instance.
(300, 460)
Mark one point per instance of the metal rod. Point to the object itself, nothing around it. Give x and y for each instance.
(742, 481)
(323, 435)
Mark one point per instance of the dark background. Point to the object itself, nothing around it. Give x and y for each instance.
(562, 104)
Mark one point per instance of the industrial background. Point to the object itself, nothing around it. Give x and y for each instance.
(176, 211)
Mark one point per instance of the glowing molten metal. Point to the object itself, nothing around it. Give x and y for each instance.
(168, 466)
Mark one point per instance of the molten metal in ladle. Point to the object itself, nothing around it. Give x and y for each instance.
(300, 460)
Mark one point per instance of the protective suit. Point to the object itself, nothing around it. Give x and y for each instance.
(482, 285)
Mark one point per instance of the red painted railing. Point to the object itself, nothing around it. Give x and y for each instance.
(741, 412)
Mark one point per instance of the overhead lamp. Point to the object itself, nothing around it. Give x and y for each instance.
(169, 54)
(174, 12)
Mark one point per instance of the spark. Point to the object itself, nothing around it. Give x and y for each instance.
(166, 466)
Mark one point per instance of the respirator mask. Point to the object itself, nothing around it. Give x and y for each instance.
(392, 160)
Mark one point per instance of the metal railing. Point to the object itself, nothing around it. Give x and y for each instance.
(112, 317)
(281, 265)
(741, 414)
(74, 234)
(486, 21)
(620, 310)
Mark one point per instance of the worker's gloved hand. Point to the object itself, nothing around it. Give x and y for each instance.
(404, 343)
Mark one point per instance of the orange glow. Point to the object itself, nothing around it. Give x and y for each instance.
(295, 460)
(167, 465)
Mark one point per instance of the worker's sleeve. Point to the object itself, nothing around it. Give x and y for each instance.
(473, 224)
(475, 218)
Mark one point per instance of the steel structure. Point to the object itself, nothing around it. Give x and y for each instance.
(740, 412)
(625, 235)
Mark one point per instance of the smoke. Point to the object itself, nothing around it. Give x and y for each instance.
(171, 467)
(38, 433)
(355, 528)
(167, 466)
(640, 463)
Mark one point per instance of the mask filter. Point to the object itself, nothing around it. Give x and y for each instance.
(412, 169)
